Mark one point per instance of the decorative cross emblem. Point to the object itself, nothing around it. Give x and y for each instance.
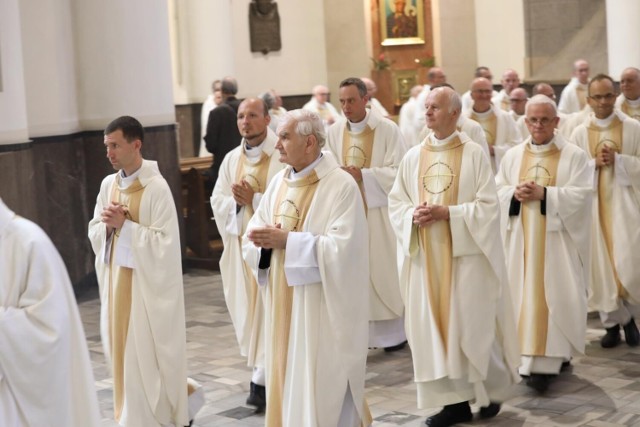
(609, 143)
(355, 157)
(438, 178)
(288, 215)
(253, 182)
(538, 174)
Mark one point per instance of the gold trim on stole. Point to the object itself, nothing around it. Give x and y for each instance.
(120, 283)
(581, 93)
(291, 206)
(438, 181)
(533, 324)
(256, 174)
(633, 112)
(489, 126)
(612, 137)
(357, 149)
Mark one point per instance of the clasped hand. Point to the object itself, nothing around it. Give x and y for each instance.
(529, 191)
(242, 193)
(606, 157)
(114, 216)
(354, 171)
(428, 214)
(269, 237)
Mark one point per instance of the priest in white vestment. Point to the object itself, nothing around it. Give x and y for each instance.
(509, 81)
(629, 100)
(45, 372)
(544, 186)
(435, 77)
(459, 320)
(562, 128)
(304, 244)
(470, 127)
(499, 128)
(405, 118)
(612, 142)
(244, 176)
(574, 95)
(135, 236)
(319, 104)
(467, 102)
(369, 147)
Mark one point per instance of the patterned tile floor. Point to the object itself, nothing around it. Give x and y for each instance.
(601, 389)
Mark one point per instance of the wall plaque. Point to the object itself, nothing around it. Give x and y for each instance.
(264, 26)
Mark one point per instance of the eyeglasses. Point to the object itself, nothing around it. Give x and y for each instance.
(542, 122)
(517, 100)
(600, 98)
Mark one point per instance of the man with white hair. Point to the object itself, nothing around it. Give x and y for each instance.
(373, 103)
(629, 99)
(574, 95)
(319, 104)
(305, 246)
(459, 321)
(563, 128)
(510, 80)
(435, 77)
(499, 128)
(544, 186)
(369, 147)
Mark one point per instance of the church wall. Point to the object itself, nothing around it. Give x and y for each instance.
(500, 35)
(623, 33)
(13, 125)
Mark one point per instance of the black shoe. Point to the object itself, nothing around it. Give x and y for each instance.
(566, 365)
(538, 382)
(631, 335)
(257, 397)
(397, 347)
(490, 411)
(451, 415)
(612, 337)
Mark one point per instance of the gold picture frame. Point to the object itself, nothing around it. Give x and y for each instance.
(401, 28)
(402, 82)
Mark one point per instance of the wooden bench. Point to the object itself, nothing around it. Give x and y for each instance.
(203, 242)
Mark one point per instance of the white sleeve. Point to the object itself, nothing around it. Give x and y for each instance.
(622, 177)
(301, 259)
(592, 165)
(123, 256)
(256, 201)
(234, 221)
(374, 194)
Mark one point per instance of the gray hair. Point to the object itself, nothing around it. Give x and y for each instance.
(307, 123)
(229, 86)
(541, 99)
(268, 99)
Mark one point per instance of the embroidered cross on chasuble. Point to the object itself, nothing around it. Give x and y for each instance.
(610, 136)
(438, 178)
(357, 149)
(540, 167)
(293, 200)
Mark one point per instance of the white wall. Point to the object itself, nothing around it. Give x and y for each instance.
(302, 62)
(123, 62)
(13, 113)
(49, 70)
(623, 33)
(500, 35)
(201, 46)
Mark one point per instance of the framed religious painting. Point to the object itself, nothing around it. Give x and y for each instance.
(401, 22)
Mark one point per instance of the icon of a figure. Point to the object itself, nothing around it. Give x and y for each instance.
(403, 22)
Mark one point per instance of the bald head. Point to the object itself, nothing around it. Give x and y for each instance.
(415, 91)
(320, 93)
(630, 83)
(544, 89)
(481, 91)
(372, 88)
(518, 99)
(510, 80)
(581, 71)
(436, 76)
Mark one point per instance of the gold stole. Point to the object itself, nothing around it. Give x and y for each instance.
(256, 175)
(505, 104)
(581, 93)
(439, 174)
(324, 112)
(541, 168)
(612, 137)
(633, 112)
(292, 204)
(120, 281)
(489, 126)
(357, 149)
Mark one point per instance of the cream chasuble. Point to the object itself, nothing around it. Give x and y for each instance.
(539, 167)
(632, 111)
(357, 149)
(489, 126)
(292, 204)
(438, 181)
(610, 136)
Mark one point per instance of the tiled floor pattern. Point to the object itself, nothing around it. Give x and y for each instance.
(601, 389)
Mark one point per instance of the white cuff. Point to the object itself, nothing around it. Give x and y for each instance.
(256, 201)
(300, 260)
(123, 256)
(374, 194)
(263, 276)
(234, 221)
